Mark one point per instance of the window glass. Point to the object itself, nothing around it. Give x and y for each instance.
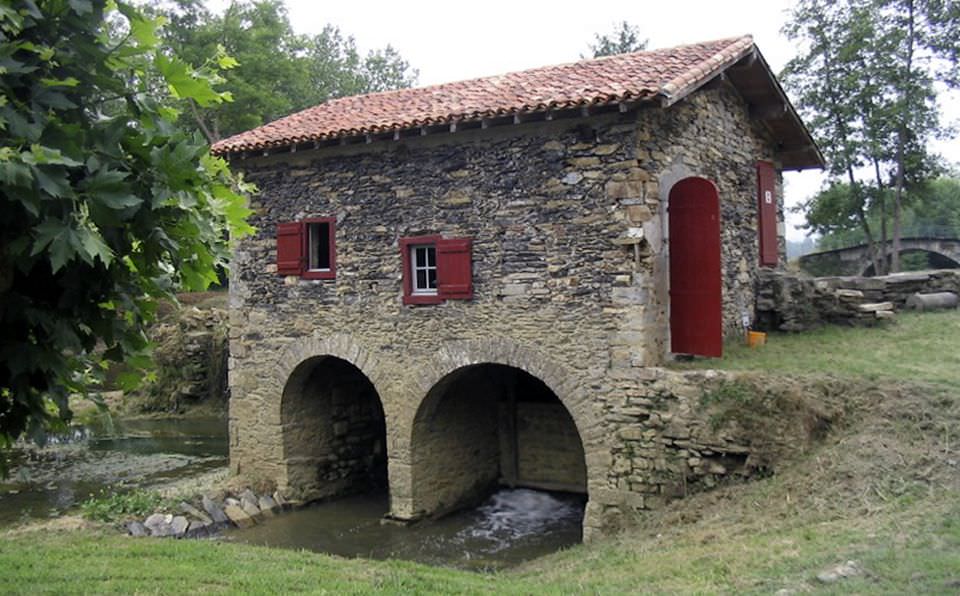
(424, 263)
(318, 255)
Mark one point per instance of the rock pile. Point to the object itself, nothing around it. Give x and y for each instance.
(239, 510)
(794, 302)
(191, 353)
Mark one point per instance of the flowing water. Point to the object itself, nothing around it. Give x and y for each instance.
(125, 455)
(511, 526)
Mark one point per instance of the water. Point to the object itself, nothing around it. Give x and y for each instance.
(131, 454)
(511, 526)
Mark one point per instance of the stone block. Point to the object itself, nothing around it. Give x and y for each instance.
(239, 517)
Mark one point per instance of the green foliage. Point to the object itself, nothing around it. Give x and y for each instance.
(866, 81)
(934, 212)
(109, 506)
(105, 204)
(272, 71)
(624, 38)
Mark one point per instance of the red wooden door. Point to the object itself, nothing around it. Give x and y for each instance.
(696, 307)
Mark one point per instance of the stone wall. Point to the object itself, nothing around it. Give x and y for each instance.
(549, 451)
(796, 302)
(333, 430)
(554, 294)
(456, 445)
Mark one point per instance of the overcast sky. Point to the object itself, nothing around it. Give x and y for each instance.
(449, 41)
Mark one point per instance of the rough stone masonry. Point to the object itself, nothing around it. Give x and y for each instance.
(554, 296)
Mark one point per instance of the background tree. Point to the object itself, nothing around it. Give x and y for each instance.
(106, 205)
(278, 72)
(624, 38)
(867, 81)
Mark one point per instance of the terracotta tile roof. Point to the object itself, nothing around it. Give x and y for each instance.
(667, 73)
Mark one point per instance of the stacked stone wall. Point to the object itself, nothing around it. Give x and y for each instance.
(796, 302)
(555, 293)
(333, 431)
(549, 451)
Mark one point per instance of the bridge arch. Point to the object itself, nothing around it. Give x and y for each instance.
(332, 422)
(935, 260)
(856, 260)
(459, 430)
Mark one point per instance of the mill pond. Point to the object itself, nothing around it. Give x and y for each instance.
(509, 527)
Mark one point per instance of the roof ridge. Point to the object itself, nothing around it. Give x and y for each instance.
(611, 57)
(619, 77)
(672, 87)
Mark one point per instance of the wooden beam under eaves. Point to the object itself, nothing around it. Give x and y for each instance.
(768, 111)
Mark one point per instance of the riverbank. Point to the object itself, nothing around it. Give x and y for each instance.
(906, 548)
(880, 491)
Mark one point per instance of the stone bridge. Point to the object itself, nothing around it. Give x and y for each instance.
(855, 260)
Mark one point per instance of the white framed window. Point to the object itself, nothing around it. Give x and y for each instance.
(423, 264)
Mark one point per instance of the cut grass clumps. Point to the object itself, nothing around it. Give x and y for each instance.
(113, 507)
(774, 417)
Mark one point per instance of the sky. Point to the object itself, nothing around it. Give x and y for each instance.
(454, 40)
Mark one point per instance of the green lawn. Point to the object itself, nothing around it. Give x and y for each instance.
(910, 547)
(883, 489)
(914, 347)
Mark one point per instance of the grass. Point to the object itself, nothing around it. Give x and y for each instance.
(882, 488)
(910, 546)
(916, 346)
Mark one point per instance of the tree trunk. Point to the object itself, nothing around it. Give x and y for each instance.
(907, 86)
(882, 205)
(864, 222)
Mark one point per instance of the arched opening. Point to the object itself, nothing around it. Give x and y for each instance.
(696, 301)
(485, 426)
(916, 259)
(334, 431)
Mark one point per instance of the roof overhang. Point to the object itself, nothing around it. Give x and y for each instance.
(767, 103)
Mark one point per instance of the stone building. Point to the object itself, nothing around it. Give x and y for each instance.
(472, 284)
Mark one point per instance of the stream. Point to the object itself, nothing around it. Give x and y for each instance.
(511, 526)
(138, 453)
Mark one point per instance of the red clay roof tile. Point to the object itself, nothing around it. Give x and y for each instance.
(668, 73)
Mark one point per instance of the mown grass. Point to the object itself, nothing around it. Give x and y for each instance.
(883, 490)
(912, 546)
(923, 347)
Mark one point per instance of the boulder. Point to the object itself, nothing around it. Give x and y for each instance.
(250, 505)
(214, 511)
(179, 525)
(934, 301)
(191, 510)
(199, 529)
(137, 530)
(268, 505)
(239, 517)
(159, 524)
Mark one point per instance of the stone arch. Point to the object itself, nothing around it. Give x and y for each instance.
(456, 356)
(332, 421)
(949, 259)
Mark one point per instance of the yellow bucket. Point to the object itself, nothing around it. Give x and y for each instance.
(756, 338)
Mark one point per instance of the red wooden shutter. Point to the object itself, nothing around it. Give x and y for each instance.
(455, 269)
(767, 214)
(290, 248)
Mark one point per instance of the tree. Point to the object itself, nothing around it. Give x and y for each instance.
(624, 38)
(934, 212)
(279, 72)
(871, 99)
(106, 205)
